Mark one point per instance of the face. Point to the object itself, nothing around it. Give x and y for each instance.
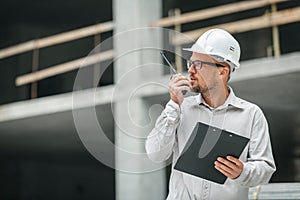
(208, 77)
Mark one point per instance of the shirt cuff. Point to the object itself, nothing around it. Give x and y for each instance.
(243, 176)
(172, 111)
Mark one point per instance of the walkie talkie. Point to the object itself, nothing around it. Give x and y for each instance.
(172, 69)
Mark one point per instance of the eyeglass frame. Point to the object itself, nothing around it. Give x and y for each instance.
(189, 63)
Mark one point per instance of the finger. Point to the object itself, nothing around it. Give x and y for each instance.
(224, 167)
(178, 77)
(184, 88)
(174, 77)
(237, 169)
(226, 171)
(178, 81)
(223, 172)
(178, 90)
(233, 169)
(235, 160)
(182, 82)
(226, 162)
(175, 90)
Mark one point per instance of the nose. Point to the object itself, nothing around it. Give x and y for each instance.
(191, 70)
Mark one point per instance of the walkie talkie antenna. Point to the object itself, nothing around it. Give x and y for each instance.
(173, 70)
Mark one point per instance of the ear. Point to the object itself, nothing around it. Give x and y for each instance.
(224, 71)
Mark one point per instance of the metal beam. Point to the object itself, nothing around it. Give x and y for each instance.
(56, 39)
(213, 12)
(265, 21)
(63, 68)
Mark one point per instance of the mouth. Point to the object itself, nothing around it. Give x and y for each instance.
(192, 79)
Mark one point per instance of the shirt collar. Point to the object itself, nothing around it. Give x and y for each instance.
(231, 100)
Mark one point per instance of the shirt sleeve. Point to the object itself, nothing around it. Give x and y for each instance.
(162, 139)
(260, 163)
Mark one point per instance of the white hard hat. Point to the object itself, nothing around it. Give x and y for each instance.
(219, 44)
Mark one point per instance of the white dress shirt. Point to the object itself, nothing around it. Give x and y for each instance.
(174, 127)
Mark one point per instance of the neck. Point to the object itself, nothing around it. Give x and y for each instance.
(216, 97)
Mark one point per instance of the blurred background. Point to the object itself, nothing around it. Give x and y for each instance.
(43, 44)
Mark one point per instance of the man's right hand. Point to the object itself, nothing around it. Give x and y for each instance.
(177, 85)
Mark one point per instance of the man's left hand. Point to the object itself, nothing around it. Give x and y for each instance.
(231, 167)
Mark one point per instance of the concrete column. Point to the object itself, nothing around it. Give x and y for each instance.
(131, 67)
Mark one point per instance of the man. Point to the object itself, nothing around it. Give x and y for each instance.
(215, 56)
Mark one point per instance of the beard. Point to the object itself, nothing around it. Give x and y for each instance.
(198, 89)
(202, 89)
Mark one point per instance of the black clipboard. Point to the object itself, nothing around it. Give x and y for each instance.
(205, 145)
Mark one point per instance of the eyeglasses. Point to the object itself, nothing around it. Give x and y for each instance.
(198, 64)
